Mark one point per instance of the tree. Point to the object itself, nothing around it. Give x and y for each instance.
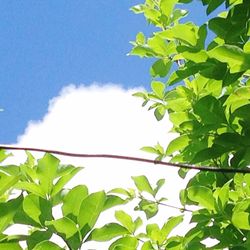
(203, 84)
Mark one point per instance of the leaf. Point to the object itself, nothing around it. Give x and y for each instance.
(107, 232)
(158, 88)
(126, 220)
(113, 200)
(160, 112)
(8, 211)
(140, 38)
(210, 111)
(90, 210)
(125, 243)
(46, 171)
(171, 224)
(235, 57)
(213, 4)
(143, 184)
(63, 180)
(73, 200)
(30, 187)
(160, 68)
(154, 233)
(63, 226)
(7, 182)
(48, 245)
(36, 237)
(3, 155)
(150, 208)
(223, 195)
(167, 7)
(149, 149)
(202, 195)
(241, 220)
(37, 208)
(147, 246)
(177, 144)
(159, 184)
(10, 246)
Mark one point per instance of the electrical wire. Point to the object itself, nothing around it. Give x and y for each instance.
(129, 158)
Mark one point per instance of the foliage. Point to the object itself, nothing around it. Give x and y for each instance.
(201, 79)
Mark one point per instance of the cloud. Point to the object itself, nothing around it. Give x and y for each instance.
(104, 119)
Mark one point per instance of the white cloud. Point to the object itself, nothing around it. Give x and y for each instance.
(104, 119)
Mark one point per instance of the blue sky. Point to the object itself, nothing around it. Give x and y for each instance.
(46, 45)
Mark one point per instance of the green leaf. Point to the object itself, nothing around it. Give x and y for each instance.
(158, 88)
(63, 226)
(147, 246)
(223, 195)
(140, 38)
(125, 243)
(3, 155)
(160, 112)
(150, 208)
(107, 232)
(154, 233)
(186, 33)
(237, 60)
(46, 171)
(177, 144)
(143, 184)
(8, 211)
(113, 200)
(63, 180)
(160, 68)
(37, 208)
(149, 150)
(202, 195)
(159, 184)
(213, 4)
(241, 220)
(171, 224)
(10, 246)
(90, 210)
(48, 245)
(73, 200)
(30, 187)
(37, 237)
(210, 110)
(158, 45)
(167, 7)
(126, 220)
(7, 182)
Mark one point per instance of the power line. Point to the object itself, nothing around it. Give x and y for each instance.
(130, 158)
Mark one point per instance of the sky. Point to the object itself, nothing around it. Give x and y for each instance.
(46, 45)
(67, 84)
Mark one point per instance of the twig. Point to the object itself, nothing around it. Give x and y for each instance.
(130, 158)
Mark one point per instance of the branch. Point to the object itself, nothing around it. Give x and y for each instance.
(130, 158)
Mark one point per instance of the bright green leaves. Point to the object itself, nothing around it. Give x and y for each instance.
(160, 68)
(37, 208)
(90, 209)
(128, 243)
(185, 33)
(73, 200)
(202, 195)
(108, 232)
(64, 226)
(237, 60)
(48, 245)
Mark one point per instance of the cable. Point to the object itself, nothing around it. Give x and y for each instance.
(130, 158)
